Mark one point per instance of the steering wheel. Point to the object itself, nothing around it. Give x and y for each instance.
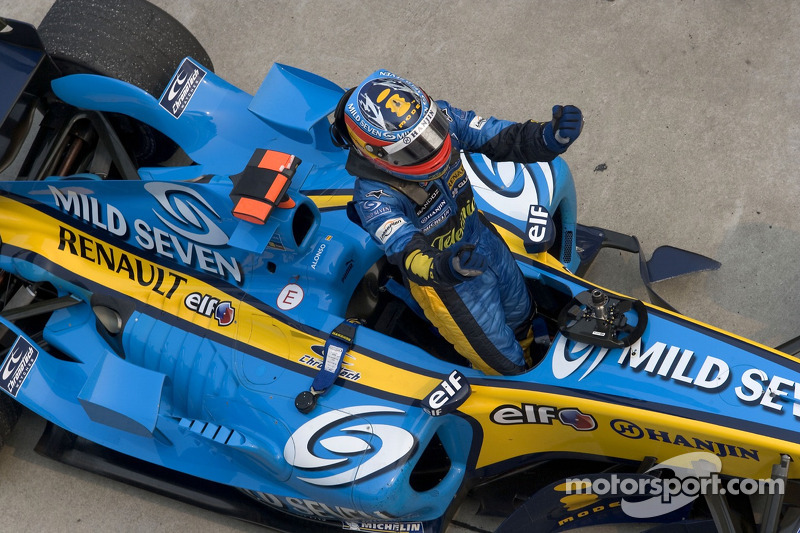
(594, 317)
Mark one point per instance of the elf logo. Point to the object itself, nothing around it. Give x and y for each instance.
(510, 415)
(209, 306)
(448, 395)
(538, 219)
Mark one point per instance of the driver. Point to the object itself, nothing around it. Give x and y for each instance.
(414, 198)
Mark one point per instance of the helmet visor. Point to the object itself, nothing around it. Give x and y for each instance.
(421, 143)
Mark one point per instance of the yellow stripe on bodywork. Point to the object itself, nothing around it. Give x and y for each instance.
(29, 229)
(329, 201)
(507, 442)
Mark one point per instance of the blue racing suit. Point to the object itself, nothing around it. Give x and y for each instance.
(483, 316)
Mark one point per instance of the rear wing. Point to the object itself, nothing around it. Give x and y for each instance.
(26, 71)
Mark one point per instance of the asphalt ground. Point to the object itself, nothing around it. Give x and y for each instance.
(692, 138)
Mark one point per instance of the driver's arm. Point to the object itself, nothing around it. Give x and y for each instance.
(503, 140)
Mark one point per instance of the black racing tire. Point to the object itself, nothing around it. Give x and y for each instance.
(131, 40)
(9, 414)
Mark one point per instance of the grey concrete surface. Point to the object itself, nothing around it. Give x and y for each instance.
(692, 107)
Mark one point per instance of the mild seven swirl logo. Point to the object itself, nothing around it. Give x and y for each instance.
(181, 203)
(568, 357)
(354, 452)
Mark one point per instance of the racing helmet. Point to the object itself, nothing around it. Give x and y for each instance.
(394, 124)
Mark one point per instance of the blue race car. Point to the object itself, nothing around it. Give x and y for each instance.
(188, 305)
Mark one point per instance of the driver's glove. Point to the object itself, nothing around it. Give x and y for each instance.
(459, 263)
(426, 265)
(565, 127)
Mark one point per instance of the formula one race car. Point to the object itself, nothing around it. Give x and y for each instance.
(188, 305)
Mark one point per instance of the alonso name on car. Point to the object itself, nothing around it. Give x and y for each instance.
(358, 456)
(629, 430)
(317, 256)
(193, 252)
(155, 277)
(510, 415)
(320, 251)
